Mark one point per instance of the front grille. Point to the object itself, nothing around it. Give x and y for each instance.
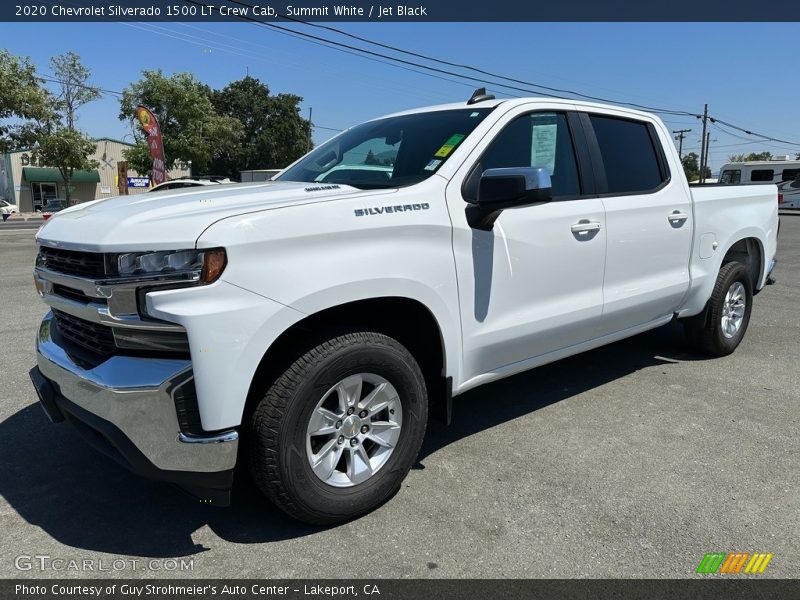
(91, 336)
(72, 262)
(78, 295)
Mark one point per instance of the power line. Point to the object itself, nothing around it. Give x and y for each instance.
(475, 69)
(253, 55)
(754, 134)
(368, 54)
(340, 45)
(315, 126)
(397, 88)
(80, 85)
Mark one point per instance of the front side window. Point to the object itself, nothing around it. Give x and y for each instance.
(629, 155)
(534, 140)
(388, 153)
(762, 175)
(731, 176)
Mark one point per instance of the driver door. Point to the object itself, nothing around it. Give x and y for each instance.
(533, 285)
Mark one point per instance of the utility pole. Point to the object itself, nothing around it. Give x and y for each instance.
(308, 142)
(681, 133)
(707, 145)
(703, 157)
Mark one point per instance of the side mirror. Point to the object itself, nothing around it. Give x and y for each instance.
(499, 189)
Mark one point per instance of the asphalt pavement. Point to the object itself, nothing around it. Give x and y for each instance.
(632, 460)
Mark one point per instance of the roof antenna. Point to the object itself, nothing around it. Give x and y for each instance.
(480, 95)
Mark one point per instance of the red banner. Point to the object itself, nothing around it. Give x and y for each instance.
(154, 143)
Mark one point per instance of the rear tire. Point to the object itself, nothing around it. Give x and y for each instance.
(335, 434)
(720, 328)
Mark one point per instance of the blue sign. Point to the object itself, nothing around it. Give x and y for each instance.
(138, 182)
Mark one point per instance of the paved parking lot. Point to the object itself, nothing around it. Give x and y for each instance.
(629, 461)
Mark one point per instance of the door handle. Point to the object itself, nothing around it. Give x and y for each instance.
(677, 215)
(585, 226)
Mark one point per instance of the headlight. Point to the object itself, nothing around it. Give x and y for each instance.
(207, 264)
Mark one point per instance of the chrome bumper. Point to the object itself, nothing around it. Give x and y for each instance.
(134, 395)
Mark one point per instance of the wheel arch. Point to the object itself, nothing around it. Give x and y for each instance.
(405, 319)
(750, 252)
(745, 245)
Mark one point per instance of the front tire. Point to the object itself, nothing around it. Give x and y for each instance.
(335, 434)
(720, 328)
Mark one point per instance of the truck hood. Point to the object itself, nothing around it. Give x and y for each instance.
(174, 219)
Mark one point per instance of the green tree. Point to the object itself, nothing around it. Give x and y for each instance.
(274, 133)
(691, 167)
(191, 129)
(22, 98)
(57, 142)
(75, 90)
(69, 150)
(753, 156)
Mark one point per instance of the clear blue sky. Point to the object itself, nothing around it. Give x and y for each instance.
(746, 72)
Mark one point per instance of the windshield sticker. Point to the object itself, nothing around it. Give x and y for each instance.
(449, 146)
(433, 165)
(473, 115)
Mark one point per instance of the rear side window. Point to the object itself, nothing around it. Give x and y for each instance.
(731, 176)
(629, 154)
(762, 175)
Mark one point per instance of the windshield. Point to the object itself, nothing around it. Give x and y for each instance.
(388, 153)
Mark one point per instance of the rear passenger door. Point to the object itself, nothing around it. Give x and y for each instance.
(648, 220)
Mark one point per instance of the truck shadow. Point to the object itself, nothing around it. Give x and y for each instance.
(510, 398)
(86, 501)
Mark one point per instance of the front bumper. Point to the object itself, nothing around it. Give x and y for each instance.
(125, 408)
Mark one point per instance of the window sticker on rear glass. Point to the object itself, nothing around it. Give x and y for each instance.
(449, 146)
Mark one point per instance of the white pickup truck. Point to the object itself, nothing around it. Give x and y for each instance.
(304, 326)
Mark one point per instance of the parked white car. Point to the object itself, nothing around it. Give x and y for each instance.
(325, 320)
(6, 208)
